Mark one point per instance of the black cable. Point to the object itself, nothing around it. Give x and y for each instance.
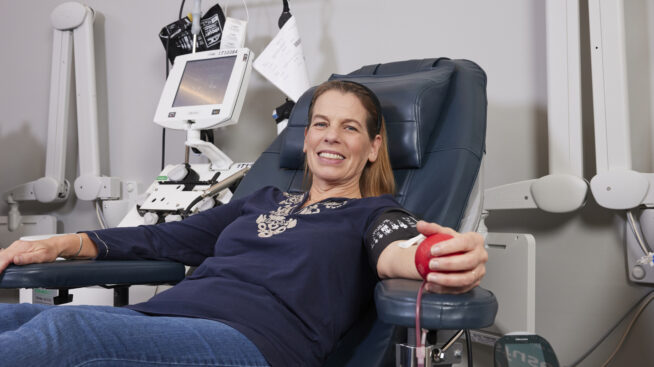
(285, 16)
(167, 52)
(181, 8)
(187, 211)
(163, 147)
(468, 347)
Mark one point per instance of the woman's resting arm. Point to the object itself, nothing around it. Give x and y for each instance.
(450, 274)
(189, 241)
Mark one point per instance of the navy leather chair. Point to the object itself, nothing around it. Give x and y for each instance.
(435, 111)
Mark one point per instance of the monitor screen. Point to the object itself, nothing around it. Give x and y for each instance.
(524, 350)
(525, 355)
(204, 82)
(205, 90)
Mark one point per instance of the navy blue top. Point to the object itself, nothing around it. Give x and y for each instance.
(291, 279)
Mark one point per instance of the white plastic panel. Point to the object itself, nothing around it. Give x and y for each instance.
(564, 88)
(87, 103)
(610, 96)
(511, 276)
(559, 193)
(620, 188)
(59, 108)
(515, 195)
(68, 16)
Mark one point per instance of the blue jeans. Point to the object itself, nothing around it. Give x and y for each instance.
(38, 335)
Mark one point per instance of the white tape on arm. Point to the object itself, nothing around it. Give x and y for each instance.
(412, 241)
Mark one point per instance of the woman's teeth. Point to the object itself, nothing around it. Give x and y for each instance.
(330, 155)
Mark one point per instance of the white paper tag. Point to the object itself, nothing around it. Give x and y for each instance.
(282, 62)
(233, 33)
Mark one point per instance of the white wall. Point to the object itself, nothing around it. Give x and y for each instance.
(582, 285)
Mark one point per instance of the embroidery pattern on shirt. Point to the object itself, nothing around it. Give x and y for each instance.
(315, 208)
(277, 221)
(387, 226)
(310, 209)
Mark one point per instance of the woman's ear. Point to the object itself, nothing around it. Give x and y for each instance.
(374, 151)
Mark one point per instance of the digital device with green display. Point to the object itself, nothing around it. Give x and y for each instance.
(524, 350)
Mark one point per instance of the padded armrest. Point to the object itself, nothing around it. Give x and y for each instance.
(396, 304)
(84, 273)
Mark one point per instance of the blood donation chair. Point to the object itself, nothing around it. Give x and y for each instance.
(435, 112)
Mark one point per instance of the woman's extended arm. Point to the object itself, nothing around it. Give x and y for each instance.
(189, 241)
(451, 274)
(20, 252)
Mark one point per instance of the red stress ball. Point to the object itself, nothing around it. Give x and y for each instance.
(423, 253)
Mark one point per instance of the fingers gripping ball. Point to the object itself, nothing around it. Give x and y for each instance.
(423, 253)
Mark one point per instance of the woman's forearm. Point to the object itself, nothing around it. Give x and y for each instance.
(397, 262)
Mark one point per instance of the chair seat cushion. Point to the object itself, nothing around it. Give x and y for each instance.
(396, 304)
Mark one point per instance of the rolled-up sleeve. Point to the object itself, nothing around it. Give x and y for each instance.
(189, 241)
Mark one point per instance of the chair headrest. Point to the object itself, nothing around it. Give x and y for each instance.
(411, 103)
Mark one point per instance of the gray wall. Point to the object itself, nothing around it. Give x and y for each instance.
(582, 286)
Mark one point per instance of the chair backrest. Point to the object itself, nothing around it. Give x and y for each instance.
(435, 112)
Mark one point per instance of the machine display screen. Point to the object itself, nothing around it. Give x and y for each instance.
(525, 355)
(204, 82)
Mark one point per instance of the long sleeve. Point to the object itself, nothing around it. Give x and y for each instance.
(189, 241)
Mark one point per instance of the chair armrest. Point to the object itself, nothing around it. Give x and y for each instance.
(84, 273)
(396, 304)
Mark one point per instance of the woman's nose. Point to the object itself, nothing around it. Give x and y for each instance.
(332, 134)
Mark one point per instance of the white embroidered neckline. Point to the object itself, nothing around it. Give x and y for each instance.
(277, 221)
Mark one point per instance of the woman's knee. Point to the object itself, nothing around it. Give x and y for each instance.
(62, 319)
(12, 316)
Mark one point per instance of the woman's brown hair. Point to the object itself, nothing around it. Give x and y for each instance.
(377, 177)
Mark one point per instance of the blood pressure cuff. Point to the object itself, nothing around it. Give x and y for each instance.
(393, 225)
(178, 38)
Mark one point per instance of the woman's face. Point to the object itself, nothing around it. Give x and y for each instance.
(336, 141)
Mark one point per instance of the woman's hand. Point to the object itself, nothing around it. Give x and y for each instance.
(463, 269)
(457, 273)
(47, 250)
(28, 252)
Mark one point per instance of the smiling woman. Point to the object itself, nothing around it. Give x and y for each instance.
(311, 260)
(345, 142)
